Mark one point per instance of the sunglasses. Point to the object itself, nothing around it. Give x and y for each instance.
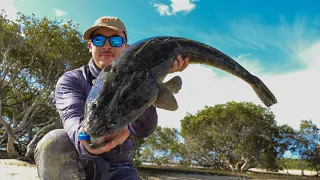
(114, 41)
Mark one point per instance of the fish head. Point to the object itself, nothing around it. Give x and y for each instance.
(115, 101)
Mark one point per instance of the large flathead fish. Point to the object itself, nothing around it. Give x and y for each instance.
(123, 91)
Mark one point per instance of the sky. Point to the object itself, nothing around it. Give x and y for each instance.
(277, 41)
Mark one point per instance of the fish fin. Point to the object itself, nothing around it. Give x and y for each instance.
(174, 84)
(165, 99)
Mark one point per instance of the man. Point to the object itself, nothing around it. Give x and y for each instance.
(60, 154)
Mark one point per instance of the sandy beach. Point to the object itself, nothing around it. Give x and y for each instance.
(11, 169)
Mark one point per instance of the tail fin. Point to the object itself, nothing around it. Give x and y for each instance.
(264, 94)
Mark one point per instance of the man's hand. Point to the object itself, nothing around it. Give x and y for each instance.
(124, 134)
(179, 64)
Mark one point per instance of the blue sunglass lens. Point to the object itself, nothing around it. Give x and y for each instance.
(115, 41)
(99, 40)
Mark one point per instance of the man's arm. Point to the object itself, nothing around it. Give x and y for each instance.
(145, 124)
(70, 100)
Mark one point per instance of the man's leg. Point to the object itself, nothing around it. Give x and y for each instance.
(57, 158)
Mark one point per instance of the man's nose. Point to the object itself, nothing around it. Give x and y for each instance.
(107, 45)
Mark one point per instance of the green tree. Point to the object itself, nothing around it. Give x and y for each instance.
(284, 141)
(161, 146)
(137, 156)
(33, 55)
(232, 135)
(308, 147)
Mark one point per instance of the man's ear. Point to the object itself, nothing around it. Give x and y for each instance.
(89, 45)
(127, 45)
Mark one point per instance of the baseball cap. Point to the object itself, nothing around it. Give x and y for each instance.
(106, 21)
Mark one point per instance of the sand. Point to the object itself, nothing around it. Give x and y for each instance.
(11, 169)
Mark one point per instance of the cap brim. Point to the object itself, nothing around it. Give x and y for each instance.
(88, 32)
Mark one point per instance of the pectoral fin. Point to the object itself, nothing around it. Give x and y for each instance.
(165, 99)
(174, 84)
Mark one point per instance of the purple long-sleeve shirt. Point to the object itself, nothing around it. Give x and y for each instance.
(72, 90)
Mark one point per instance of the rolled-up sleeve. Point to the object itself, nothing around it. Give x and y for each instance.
(145, 125)
(70, 100)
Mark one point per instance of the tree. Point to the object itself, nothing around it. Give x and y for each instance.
(33, 55)
(308, 144)
(284, 141)
(232, 135)
(161, 146)
(138, 148)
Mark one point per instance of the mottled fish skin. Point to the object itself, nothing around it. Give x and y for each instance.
(124, 91)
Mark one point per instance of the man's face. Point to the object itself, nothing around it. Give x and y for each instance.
(104, 55)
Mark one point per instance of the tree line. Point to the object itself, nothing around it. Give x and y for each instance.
(235, 136)
(35, 52)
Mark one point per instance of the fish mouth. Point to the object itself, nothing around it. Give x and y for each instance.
(95, 143)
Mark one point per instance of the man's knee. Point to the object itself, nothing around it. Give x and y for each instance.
(56, 156)
(54, 143)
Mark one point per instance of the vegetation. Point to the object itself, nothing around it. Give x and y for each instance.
(33, 55)
(234, 136)
(295, 163)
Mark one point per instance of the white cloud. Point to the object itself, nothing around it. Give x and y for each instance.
(298, 97)
(163, 9)
(283, 41)
(59, 12)
(176, 6)
(202, 86)
(311, 56)
(182, 5)
(9, 7)
(287, 38)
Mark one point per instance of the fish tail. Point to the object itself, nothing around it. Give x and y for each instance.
(200, 53)
(263, 92)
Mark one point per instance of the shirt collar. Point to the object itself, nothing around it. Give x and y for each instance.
(93, 68)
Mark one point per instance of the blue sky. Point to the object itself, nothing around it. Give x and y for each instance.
(278, 41)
